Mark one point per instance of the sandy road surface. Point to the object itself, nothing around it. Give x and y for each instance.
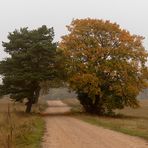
(67, 132)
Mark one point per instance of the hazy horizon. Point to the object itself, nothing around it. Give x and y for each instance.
(130, 15)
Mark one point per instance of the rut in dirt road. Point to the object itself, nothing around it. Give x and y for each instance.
(67, 132)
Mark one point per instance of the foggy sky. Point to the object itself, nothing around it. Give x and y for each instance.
(129, 14)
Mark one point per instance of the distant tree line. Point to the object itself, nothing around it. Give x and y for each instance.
(143, 94)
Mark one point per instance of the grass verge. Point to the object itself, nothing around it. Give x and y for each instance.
(18, 129)
(31, 133)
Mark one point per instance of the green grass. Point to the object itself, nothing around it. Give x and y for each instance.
(27, 129)
(129, 121)
(32, 134)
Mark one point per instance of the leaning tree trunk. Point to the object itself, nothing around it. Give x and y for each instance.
(36, 96)
(29, 105)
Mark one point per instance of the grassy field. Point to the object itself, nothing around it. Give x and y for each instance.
(18, 129)
(129, 121)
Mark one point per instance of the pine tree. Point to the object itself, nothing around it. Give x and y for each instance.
(31, 62)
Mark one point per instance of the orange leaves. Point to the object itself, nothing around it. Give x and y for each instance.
(125, 36)
(105, 60)
(87, 83)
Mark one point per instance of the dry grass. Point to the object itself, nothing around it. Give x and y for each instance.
(17, 129)
(130, 121)
(141, 112)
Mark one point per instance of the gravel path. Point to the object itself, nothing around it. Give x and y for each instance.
(67, 132)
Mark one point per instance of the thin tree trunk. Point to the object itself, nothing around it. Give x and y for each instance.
(37, 94)
(29, 105)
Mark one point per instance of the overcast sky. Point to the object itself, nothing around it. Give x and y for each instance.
(129, 14)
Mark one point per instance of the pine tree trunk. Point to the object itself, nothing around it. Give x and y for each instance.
(29, 106)
(37, 94)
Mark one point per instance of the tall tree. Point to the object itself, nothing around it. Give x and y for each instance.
(31, 62)
(106, 64)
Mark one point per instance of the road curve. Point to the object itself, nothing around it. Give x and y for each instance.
(67, 132)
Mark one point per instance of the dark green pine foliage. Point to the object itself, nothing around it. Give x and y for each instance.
(31, 62)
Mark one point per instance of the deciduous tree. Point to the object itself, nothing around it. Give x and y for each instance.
(106, 64)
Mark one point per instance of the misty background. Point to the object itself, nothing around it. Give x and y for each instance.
(65, 93)
(129, 14)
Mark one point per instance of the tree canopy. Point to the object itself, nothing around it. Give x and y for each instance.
(105, 63)
(32, 61)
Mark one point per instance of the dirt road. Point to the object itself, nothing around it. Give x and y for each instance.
(67, 132)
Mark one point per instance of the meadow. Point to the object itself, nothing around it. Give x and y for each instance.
(18, 129)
